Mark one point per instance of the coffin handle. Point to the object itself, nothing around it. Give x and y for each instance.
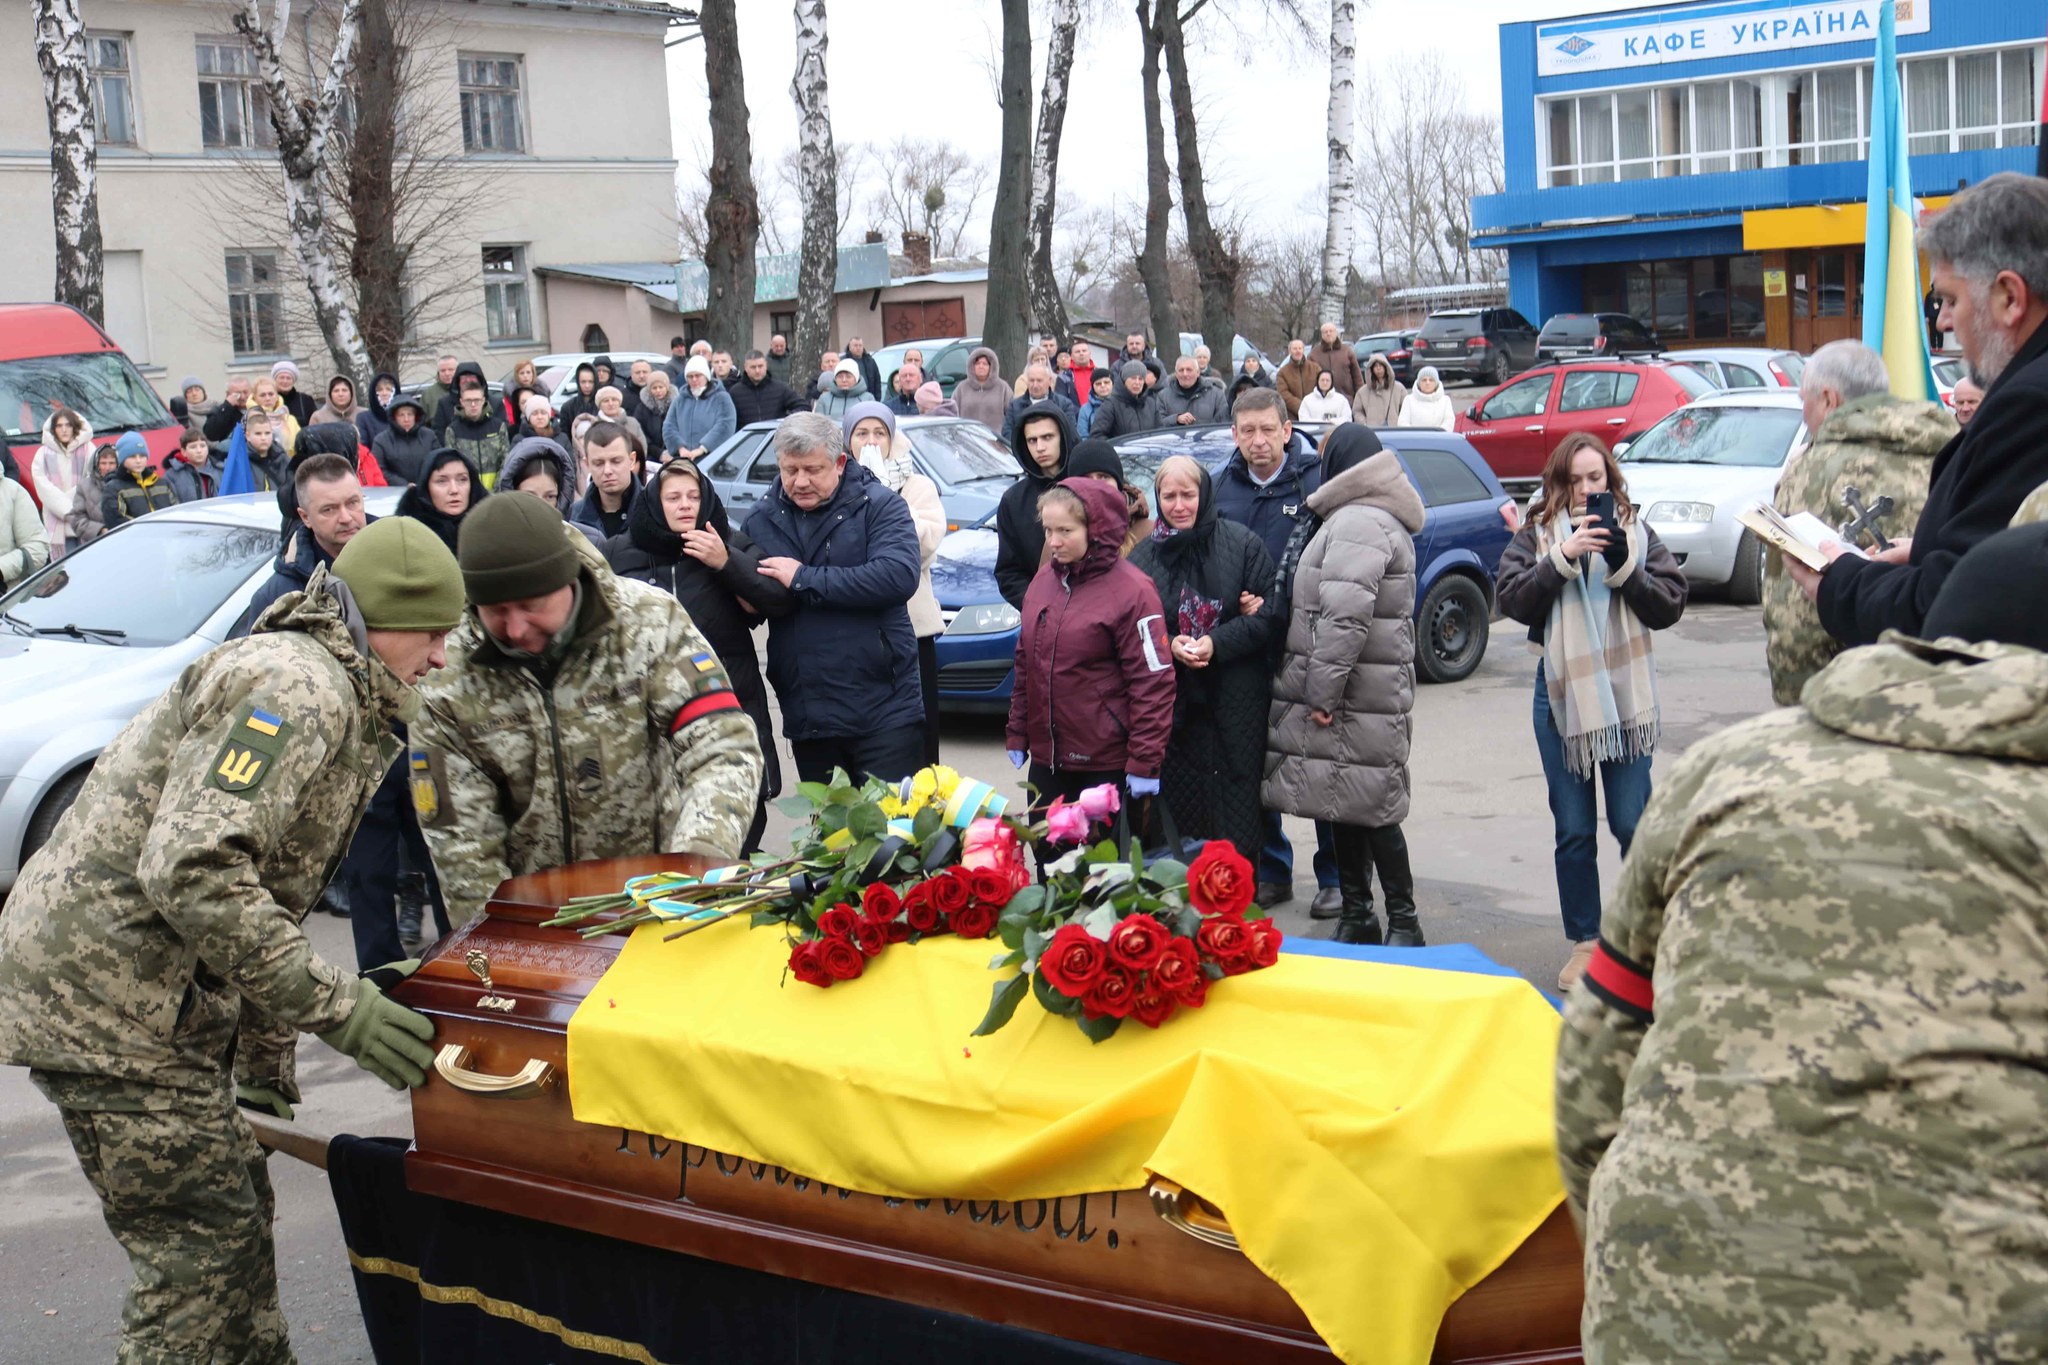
(452, 1063)
(1182, 1209)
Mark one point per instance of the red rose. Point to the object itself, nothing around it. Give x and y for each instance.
(838, 922)
(896, 931)
(1220, 881)
(1136, 943)
(1153, 1007)
(805, 966)
(1073, 960)
(1196, 993)
(918, 911)
(1112, 994)
(990, 887)
(880, 902)
(976, 919)
(951, 891)
(870, 936)
(1178, 964)
(1265, 949)
(1224, 938)
(840, 959)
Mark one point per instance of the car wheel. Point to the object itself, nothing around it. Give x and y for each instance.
(1501, 370)
(1746, 584)
(44, 823)
(1451, 630)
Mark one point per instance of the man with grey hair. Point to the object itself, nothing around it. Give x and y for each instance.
(778, 357)
(1989, 252)
(1038, 388)
(1857, 436)
(844, 663)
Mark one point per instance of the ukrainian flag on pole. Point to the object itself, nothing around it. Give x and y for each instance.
(1893, 324)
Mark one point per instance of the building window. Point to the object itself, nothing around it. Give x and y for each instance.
(113, 95)
(782, 324)
(491, 120)
(507, 315)
(255, 304)
(234, 108)
(1716, 298)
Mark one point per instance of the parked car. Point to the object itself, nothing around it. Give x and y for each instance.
(968, 462)
(556, 374)
(1745, 367)
(1397, 347)
(1468, 521)
(945, 359)
(1695, 470)
(1516, 426)
(52, 355)
(1573, 336)
(82, 652)
(1485, 344)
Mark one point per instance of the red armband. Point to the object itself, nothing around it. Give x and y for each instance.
(1622, 982)
(699, 707)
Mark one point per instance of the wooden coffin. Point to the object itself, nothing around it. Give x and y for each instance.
(1153, 1271)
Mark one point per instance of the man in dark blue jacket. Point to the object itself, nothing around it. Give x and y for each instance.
(1045, 441)
(844, 663)
(1265, 486)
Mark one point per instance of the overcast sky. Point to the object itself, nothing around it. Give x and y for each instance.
(1261, 83)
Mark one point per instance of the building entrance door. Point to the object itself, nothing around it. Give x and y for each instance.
(1827, 296)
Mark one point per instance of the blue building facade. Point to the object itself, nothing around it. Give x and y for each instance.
(1701, 166)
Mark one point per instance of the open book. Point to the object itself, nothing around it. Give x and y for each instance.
(1799, 535)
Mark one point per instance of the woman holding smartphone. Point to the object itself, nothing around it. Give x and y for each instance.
(1591, 581)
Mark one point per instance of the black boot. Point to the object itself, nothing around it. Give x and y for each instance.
(412, 904)
(1357, 923)
(1390, 853)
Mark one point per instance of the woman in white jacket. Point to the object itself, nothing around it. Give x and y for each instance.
(1325, 404)
(59, 468)
(1427, 405)
(872, 438)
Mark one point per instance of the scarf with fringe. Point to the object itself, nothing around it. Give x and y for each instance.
(1597, 660)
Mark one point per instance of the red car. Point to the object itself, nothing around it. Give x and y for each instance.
(1516, 426)
(52, 355)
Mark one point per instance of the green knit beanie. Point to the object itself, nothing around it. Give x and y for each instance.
(513, 548)
(402, 576)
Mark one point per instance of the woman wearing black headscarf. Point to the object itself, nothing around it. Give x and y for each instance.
(1204, 568)
(444, 496)
(678, 539)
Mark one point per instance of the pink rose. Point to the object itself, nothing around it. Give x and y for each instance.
(1065, 824)
(1099, 803)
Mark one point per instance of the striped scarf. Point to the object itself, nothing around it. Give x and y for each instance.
(1597, 659)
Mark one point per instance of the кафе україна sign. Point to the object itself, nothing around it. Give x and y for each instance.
(1646, 38)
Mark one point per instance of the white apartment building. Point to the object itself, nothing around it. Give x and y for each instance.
(556, 137)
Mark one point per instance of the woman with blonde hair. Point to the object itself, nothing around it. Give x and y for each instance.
(264, 397)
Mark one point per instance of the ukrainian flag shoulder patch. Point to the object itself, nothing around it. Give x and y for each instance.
(252, 748)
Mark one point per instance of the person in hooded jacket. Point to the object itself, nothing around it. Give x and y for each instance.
(1045, 442)
(445, 496)
(1379, 399)
(136, 488)
(466, 373)
(1093, 699)
(1253, 376)
(1133, 408)
(1208, 571)
(1427, 405)
(656, 398)
(883, 451)
(700, 418)
(607, 373)
(679, 539)
(341, 405)
(583, 400)
(61, 465)
(1337, 746)
(478, 431)
(375, 418)
(533, 464)
(1102, 392)
(88, 519)
(403, 448)
(1097, 459)
(984, 394)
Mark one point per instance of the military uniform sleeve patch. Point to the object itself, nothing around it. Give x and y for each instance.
(429, 789)
(705, 704)
(251, 749)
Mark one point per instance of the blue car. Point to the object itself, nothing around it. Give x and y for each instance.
(1468, 521)
(968, 462)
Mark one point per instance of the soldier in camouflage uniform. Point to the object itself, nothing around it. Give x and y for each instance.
(1858, 436)
(155, 941)
(582, 716)
(1802, 1089)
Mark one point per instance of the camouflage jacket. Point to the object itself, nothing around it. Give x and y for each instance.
(1880, 445)
(1801, 1104)
(636, 744)
(2033, 508)
(166, 906)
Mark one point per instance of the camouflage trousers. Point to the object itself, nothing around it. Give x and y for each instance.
(182, 1183)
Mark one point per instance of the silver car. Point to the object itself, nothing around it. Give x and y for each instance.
(92, 639)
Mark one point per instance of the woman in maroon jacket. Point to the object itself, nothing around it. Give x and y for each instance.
(1093, 700)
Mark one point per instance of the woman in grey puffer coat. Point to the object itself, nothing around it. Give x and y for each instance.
(1337, 745)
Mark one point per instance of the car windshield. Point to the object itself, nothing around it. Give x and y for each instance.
(964, 452)
(1695, 384)
(191, 568)
(100, 386)
(1757, 438)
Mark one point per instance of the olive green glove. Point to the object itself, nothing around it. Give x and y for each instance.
(262, 1099)
(387, 1040)
(391, 973)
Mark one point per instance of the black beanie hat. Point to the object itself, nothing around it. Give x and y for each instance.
(511, 549)
(1993, 595)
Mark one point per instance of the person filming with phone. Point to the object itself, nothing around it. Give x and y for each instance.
(1591, 581)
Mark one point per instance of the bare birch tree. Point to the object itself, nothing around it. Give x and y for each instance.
(303, 134)
(1047, 306)
(1005, 327)
(817, 274)
(1342, 123)
(74, 156)
(732, 213)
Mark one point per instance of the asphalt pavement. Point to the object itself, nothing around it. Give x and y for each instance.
(1479, 837)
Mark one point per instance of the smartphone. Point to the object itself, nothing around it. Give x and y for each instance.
(1601, 505)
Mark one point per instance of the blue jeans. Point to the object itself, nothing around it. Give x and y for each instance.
(1573, 807)
(1276, 859)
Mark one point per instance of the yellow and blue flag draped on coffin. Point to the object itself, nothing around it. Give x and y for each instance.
(1893, 323)
(1378, 1136)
